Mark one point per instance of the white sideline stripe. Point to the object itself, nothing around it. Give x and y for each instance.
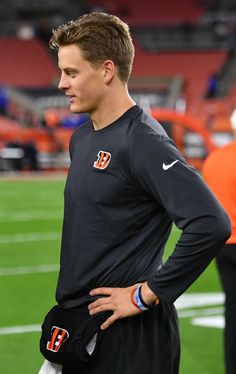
(21, 270)
(19, 329)
(29, 237)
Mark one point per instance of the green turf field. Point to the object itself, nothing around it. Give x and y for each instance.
(30, 225)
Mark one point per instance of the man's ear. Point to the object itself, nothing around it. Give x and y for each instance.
(108, 71)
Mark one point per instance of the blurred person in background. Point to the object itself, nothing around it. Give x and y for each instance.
(126, 186)
(219, 171)
(4, 100)
(31, 155)
(212, 86)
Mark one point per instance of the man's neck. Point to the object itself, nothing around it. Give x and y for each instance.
(112, 108)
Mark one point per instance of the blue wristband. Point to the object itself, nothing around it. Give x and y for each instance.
(139, 300)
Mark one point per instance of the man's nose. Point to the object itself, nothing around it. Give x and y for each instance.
(63, 83)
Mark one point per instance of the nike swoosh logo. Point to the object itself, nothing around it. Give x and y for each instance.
(168, 166)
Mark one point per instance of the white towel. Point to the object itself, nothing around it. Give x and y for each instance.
(91, 344)
(50, 368)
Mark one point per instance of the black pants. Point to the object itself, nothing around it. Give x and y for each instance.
(226, 262)
(144, 344)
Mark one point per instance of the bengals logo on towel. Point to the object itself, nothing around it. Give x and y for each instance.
(58, 337)
(103, 160)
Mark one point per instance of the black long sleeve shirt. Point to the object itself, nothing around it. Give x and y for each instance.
(126, 185)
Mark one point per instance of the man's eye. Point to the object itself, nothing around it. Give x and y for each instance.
(72, 74)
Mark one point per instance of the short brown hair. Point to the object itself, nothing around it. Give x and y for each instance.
(100, 36)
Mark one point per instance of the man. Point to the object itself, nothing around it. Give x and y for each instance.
(220, 173)
(126, 185)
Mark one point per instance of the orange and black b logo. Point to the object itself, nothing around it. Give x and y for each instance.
(103, 160)
(58, 337)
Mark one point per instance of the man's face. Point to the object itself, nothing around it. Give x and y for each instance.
(81, 82)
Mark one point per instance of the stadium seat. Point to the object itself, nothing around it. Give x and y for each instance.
(25, 63)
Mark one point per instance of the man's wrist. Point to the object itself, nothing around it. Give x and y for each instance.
(148, 296)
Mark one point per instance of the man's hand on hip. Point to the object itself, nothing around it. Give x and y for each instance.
(118, 300)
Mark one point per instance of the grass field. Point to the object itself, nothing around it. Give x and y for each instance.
(30, 225)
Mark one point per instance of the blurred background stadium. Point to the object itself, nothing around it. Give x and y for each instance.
(184, 74)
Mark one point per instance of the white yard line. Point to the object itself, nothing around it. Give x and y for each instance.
(31, 216)
(19, 329)
(38, 204)
(217, 322)
(197, 300)
(203, 317)
(200, 312)
(29, 237)
(21, 270)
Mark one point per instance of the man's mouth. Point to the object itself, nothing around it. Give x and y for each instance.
(71, 98)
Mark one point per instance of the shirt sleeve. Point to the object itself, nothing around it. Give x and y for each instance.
(161, 170)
